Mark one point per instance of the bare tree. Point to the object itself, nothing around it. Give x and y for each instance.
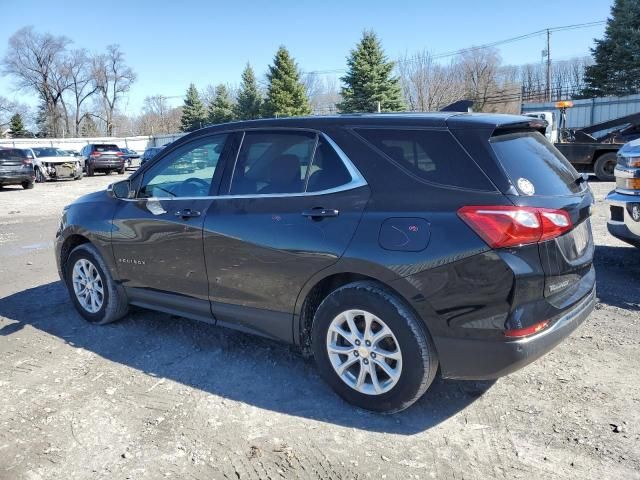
(158, 117)
(113, 79)
(82, 86)
(35, 61)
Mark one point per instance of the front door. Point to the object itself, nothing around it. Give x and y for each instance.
(157, 237)
(291, 207)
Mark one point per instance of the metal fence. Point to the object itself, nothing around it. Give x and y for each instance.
(139, 143)
(592, 110)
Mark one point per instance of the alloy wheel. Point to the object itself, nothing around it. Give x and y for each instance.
(88, 286)
(364, 352)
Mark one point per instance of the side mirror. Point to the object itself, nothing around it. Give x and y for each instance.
(121, 190)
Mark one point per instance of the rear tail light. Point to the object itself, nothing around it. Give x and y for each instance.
(95, 154)
(509, 226)
(119, 154)
(27, 161)
(525, 332)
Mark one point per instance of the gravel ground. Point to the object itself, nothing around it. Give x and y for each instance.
(156, 396)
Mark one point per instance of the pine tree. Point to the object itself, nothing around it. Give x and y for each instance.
(221, 108)
(249, 98)
(286, 96)
(194, 115)
(16, 125)
(617, 56)
(369, 79)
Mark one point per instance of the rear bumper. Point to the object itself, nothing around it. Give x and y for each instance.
(15, 179)
(108, 165)
(483, 359)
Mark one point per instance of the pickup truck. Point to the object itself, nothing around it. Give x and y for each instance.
(624, 201)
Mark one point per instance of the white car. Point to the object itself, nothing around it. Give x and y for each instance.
(53, 164)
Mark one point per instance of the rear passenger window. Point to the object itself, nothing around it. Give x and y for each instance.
(273, 162)
(431, 155)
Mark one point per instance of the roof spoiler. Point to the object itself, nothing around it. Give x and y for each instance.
(537, 124)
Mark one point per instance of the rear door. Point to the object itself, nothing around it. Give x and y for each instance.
(291, 205)
(542, 177)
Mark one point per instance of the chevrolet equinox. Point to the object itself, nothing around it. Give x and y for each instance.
(390, 247)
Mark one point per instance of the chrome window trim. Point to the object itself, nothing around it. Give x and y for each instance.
(357, 180)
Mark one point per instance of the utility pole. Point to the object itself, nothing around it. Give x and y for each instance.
(548, 65)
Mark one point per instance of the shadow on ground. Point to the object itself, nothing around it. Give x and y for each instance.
(224, 362)
(617, 274)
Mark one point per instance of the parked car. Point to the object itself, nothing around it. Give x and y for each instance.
(387, 246)
(16, 167)
(129, 156)
(55, 164)
(624, 201)
(100, 157)
(149, 153)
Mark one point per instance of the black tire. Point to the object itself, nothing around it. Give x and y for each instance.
(604, 167)
(419, 358)
(40, 178)
(27, 185)
(108, 172)
(115, 304)
(121, 171)
(90, 172)
(80, 175)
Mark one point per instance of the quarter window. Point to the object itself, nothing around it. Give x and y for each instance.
(187, 172)
(431, 155)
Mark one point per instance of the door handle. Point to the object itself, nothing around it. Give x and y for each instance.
(187, 213)
(319, 212)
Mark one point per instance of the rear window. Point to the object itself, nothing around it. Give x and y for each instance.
(431, 155)
(534, 165)
(106, 148)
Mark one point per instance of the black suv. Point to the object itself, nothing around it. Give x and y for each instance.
(100, 157)
(16, 167)
(388, 246)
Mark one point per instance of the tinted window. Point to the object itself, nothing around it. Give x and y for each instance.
(106, 148)
(327, 170)
(529, 156)
(187, 172)
(431, 155)
(272, 162)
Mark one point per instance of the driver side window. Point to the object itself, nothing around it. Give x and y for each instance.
(187, 172)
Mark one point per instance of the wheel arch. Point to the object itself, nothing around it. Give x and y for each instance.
(317, 289)
(71, 242)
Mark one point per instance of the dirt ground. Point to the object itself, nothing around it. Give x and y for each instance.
(156, 396)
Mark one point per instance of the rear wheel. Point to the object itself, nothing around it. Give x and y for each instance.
(605, 166)
(90, 171)
(92, 290)
(121, 171)
(108, 172)
(372, 349)
(27, 185)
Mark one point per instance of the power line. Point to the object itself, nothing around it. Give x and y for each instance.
(505, 41)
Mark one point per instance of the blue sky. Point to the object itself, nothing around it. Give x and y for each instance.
(170, 44)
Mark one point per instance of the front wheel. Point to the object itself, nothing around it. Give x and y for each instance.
(40, 178)
(372, 349)
(92, 290)
(604, 167)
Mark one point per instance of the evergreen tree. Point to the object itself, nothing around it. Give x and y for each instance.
(286, 96)
(221, 108)
(16, 125)
(249, 98)
(194, 115)
(369, 79)
(89, 127)
(617, 56)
